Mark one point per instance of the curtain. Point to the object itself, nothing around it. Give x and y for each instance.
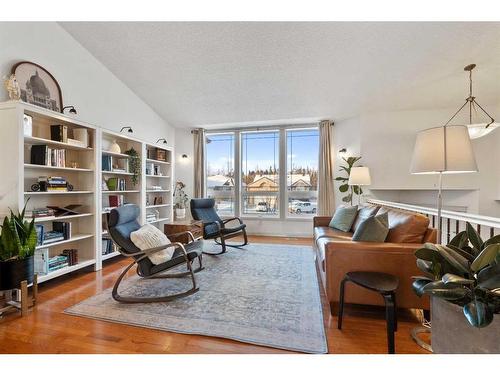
(326, 200)
(199, 163)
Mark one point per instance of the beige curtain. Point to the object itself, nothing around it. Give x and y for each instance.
(199, 163)
(326, 200)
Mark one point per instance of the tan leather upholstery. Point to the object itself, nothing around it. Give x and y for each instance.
(337, 255)
(404, 226)
(364, 213)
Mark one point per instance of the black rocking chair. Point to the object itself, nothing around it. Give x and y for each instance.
(121, 222)
(214, 227)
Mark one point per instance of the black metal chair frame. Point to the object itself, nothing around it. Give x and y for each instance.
(140, 255)
(224, 237)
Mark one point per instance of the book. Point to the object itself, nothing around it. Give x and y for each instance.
(41, 261)
(106, 163)
(63, 227)
(59, 133)
(39, 234)
(39, 154)
(115, 200)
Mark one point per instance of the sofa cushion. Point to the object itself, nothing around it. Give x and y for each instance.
(149, 237)
(364, 213)
(404, 226)
(328, 232)
(373, 229)
(343, 218)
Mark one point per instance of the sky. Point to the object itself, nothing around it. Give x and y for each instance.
(262, 150)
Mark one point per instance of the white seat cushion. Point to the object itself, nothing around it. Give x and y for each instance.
(148, 237)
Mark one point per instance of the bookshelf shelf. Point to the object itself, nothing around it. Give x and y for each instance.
(155, 176)
(58, 192)
(110, 255)
(115, 154)
(60, 218)
(36, 166)
(158, 220)
(66, 270)
(120, 191)
(159, 205)
(118, 173)
(157, 161)
(158, 191)
(74, 238)
(44, 141)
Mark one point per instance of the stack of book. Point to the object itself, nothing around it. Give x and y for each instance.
(39, 213)
(58, 262)
(151, 217)
(107, 246)
(45, 264)
(52, 236)
(56, 184)
(44, 155)
(72, 255)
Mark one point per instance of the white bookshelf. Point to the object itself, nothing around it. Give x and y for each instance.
(19, 173)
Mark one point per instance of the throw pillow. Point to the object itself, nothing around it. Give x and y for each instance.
(343, 218)
(373, 229)
(148, 237)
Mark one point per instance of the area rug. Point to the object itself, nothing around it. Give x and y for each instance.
(262, 294)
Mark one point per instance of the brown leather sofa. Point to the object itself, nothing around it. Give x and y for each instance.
(337, 254)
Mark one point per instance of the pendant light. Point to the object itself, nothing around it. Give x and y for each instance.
(476, 130)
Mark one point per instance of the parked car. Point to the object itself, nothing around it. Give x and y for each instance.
(303, 207)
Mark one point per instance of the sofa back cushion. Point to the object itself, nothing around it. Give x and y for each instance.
(404, 226)
(373, 229)
(343, 218)
(364, 213)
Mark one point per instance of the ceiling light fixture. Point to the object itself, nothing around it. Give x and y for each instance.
(126, 127)
(480, 129)
(164, 141)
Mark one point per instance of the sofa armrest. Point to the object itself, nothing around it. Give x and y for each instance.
(321, 221)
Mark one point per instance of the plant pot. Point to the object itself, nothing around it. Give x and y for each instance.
(452, 333)
(180, 213)
(12, 272)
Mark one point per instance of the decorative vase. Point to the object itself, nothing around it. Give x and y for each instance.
(452, 333)
(115, 147)
(180, 213)
(12, 272)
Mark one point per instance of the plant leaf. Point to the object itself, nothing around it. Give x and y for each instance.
(460, 240)
(455, 259)
(425, 267)
(478, 314)
(474, 238)
(341, 179)
(444, 291)
(419, 284)
(463, 253)
(450, 278)
(343, 188)
(489, 277)
(486, 257)
(491, 241)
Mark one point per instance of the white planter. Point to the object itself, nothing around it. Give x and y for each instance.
(452, 333)
(180, 213)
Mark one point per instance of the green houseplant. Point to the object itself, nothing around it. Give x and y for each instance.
(463, 279)
(17, 247)
(134, 165)
(345, 187)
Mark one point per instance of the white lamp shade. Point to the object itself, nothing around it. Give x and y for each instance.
(359, 176)
(480, 130)
(445, 149)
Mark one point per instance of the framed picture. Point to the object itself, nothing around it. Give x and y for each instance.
(161, 155)
(38, 86)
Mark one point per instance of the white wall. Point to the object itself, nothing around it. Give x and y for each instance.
(99, 97)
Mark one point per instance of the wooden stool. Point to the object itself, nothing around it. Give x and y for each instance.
(379, 282)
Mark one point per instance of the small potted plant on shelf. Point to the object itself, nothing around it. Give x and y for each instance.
(463, 280)
(134, 165)
(17, 248)
(181, 199)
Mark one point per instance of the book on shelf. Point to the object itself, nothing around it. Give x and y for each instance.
(75, 142)
(43, 212)
(40, 231)
(44, 155)
(41, 261)
(106, 163)
(72, 255)
(116, 200)
(52, 236)
(59, 133)
(63, 227)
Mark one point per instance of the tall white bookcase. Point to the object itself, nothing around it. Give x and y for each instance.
(83, 170)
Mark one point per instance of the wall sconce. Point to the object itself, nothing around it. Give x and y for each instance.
(127, 127)
(164, 141)
(184, 156)
(343, 150)
(72, 109)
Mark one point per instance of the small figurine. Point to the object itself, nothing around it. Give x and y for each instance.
(12, 87)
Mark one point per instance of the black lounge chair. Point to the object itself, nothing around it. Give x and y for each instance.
(122, 221)
(214, 227)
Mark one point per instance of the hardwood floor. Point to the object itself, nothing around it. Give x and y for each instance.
(48, 330)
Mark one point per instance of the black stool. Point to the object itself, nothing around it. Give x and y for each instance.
(382, 283)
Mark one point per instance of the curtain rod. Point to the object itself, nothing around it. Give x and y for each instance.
(258, 128)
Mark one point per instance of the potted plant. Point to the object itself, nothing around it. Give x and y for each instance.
(17, 247)
(345, 187)
(463, 280)
(181, 200)
(134, 165)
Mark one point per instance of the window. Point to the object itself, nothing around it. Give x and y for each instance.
(220, 172)
(264, 173)
(260, 183)
(302, 171)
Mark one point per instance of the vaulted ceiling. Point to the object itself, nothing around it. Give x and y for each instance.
(195, 74)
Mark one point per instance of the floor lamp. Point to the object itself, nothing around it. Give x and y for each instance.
(359, 176)
(441, 150)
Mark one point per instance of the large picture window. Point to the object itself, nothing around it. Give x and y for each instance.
(264, 173)
(220, 172)
(260, 182)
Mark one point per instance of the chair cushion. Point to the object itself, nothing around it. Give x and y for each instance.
(194, 250)
(373, 229)
(229, 230)
(343, 218)
(328, 232)
(148, 237)
(364, 213)
(405, 226)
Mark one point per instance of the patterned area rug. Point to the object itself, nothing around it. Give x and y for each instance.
(262, 294)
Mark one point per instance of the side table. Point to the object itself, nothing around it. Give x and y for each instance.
(193, 226)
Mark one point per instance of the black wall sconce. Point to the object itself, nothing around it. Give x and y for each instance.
(342, 150)
(127, 127)
(164, 141)
(72, 109)
(184, 156)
